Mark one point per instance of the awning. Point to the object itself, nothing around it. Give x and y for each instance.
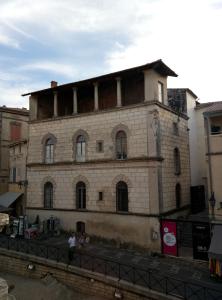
(5, 209)
(9, 198)
(215, 250)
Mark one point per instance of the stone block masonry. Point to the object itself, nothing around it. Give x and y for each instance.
(148, 171)
(78, 279)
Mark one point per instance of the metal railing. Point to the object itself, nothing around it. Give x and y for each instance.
(131, 273)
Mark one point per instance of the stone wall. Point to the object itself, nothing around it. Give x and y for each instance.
(5, 139)
(100, 126)
(148, 171)
(169, 141)
(78, 279)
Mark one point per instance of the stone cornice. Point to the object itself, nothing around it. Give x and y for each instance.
(114, 109)
(98, 161)
(127, 214)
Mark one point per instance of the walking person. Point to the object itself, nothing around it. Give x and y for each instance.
(72, 246)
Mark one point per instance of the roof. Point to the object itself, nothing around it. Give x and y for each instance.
(157, 65)
(215, 250)
(9, 198)
(207, 104)
(5, 209)
(14, 110)
(214, 108)
(184, 90)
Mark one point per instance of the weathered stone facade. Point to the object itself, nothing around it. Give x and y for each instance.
(18, 176)
(148, 171)
(10, 117)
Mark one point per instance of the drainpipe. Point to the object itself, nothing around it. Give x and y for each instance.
(208, 151)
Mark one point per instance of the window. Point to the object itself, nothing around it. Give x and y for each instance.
(175, 128)
(80, 227)
(177, 161)
(99, 146)
(80, 148)
(15, 129)
(215, 129)
(178, 195)
(49, 151)
(48, 195)
(160, 92)
(121, 196)
(80, 195)
(100, 196)
(13, 175)
(121, 145)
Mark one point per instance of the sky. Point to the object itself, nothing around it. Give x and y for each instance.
(70, 40)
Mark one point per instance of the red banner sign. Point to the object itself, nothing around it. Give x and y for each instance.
(169, 237)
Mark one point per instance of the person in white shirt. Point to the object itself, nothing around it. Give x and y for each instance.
(72, 246)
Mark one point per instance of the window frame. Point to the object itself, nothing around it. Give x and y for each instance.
(100, 146)
(177, 161)
(80, 195)
(48, 202)
(80, 145)
(160, 92)
(120, 144)
(49, 151)
(178, 195)
(122, 204)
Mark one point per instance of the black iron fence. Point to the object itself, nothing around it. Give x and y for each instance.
(136, 275)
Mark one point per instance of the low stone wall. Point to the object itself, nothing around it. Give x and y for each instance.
(3, 289)
(78, 279)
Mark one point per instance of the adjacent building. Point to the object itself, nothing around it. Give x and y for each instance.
(205, 129)
(108, 155)
(213, 140)
(18, 177)
(13, 128)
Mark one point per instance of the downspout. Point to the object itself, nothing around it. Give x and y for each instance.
(209, 151)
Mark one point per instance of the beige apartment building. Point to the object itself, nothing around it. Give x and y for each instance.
(108, 155)
(18, 177)
(205, 133)
(213, 141)
(13, 127)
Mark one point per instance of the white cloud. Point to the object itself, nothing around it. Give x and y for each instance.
(54, 67)
(7, 41)
(185, 34)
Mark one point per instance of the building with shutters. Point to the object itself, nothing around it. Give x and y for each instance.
(104, 157)
(13, 128)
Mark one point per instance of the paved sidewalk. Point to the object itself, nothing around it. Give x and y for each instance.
(180, 268)
(24, 288)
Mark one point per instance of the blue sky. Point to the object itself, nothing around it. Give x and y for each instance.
(69, 40)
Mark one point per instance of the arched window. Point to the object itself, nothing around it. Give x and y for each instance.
(80, 148)
(80, 195)
(49, 151)
(48, 195)
(178, 195)
(121, 196)
(80, 227)
(177, 161)
(121, 145)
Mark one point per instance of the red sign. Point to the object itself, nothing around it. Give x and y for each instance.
(169, 237)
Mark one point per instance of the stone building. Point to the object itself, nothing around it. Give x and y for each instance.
(18, 179)
(13, 127)
(184, 100)
(108, 155)
(213, 156)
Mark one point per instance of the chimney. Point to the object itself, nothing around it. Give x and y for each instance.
(54, 84)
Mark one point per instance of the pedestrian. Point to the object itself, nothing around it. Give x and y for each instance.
(81, 240)
(72, 246)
